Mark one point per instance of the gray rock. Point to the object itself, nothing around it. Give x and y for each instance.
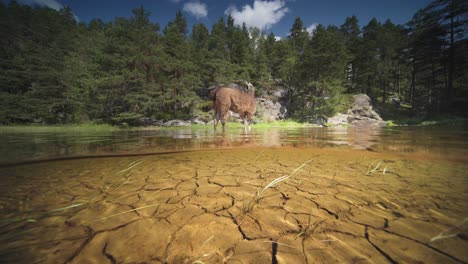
(395, 100)
(198, 121)
(176, 122)
(279, 93)
(360, 114)
(151, 122)
(269, 110)
(339, 119)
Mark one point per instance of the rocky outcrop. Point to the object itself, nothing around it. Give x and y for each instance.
(360, 114)
(271, 105)
(269, 110)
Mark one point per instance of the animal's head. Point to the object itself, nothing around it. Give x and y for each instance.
(250, 88)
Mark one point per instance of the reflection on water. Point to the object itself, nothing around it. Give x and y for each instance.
(29, 146)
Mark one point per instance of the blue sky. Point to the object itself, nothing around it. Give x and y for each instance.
(275, 16)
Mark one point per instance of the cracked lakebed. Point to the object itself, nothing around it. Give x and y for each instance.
(343, 206)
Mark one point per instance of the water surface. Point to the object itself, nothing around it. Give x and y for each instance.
(16, 147)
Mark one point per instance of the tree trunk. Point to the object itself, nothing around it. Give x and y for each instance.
(413, 84)
(398, 79)
(451, 68)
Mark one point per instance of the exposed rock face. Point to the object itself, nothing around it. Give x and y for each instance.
(360, 114)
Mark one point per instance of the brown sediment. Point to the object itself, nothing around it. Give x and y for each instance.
(203, 206)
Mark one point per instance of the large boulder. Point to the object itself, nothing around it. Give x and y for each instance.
(360, 114)
(362, 107)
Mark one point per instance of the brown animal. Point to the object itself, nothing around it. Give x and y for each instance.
(229, 98)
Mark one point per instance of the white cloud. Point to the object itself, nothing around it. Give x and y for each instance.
(262, 15)
(311, 28)
(196, 9)
(49, 3)
(277, 38)
(54, 4)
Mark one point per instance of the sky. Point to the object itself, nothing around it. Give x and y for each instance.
(275, 16)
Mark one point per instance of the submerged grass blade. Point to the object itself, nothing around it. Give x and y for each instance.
(133, 164)
(282, 178)
(12, 220)
(259, 154)
(65, 208)
(369, 171)
(451, 232)
(441, 236)
(208, 240)
(34, 219)
(128, 211)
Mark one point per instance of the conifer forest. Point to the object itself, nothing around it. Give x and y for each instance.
(55, 70)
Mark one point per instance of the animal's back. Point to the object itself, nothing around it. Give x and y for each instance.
(228, 98)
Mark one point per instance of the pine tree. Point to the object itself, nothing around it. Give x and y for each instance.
(298, 35)
(320, 74)
(351, 36)
(181, 81)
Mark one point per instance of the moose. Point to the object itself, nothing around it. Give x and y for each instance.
(235, 99)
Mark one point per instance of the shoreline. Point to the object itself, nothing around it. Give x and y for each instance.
(92, 127)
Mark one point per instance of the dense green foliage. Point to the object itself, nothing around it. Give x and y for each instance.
(55, 70)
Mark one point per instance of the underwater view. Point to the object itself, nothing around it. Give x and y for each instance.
(278, 195)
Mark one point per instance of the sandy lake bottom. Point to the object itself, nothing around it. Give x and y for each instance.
(332, 205)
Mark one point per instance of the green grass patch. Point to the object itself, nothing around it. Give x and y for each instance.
(92, 127)
(420, 121)
(285, 124)
(87, 127)
(273, 124)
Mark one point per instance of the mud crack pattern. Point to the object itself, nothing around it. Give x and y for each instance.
(203, 206)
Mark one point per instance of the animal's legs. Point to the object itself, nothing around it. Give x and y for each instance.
(215, 119)
(243, 117)
(224, 114)
(248, 119)
(218, 116)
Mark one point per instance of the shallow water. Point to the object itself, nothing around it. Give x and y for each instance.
(394, 195)
(18, 147)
